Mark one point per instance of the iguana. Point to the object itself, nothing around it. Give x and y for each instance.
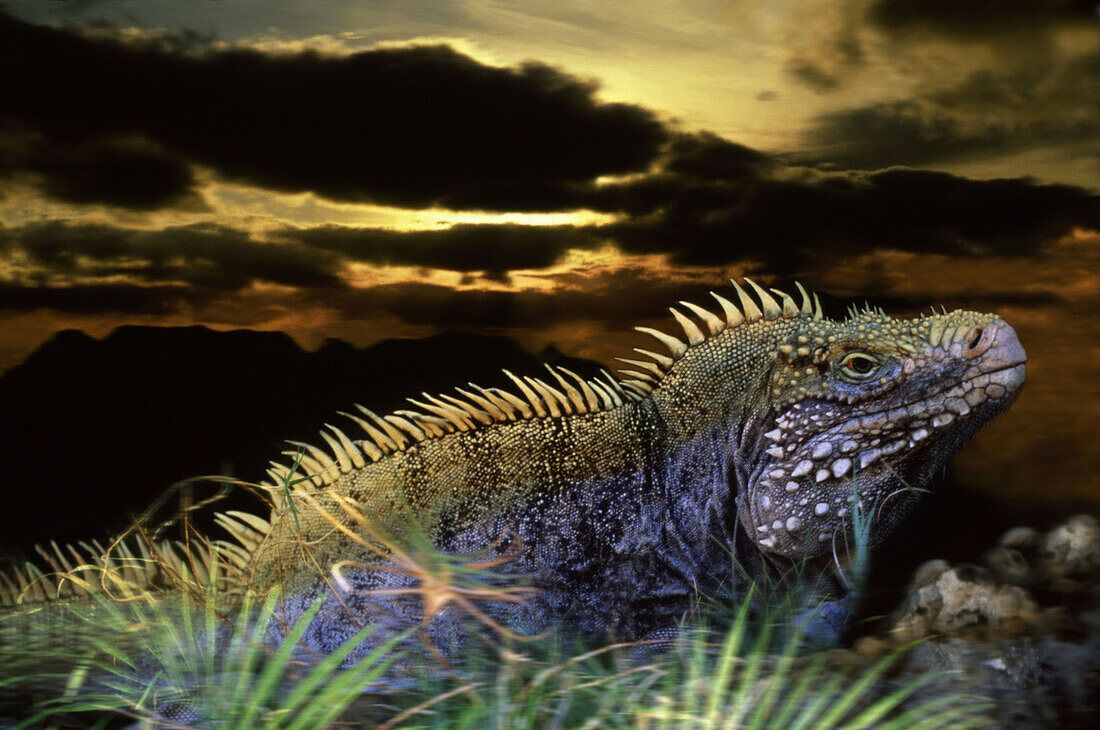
(751, 442)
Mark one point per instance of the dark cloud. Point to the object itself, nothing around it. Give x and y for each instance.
(977, 18)
(908, 132)
(426, 125)
(408, 126)
(706, 156)
(493, 248)
(813, 74)
(701, 172)
(788, 225)
(1047, 97)
(616, 301)
(1024, 53)
(725, 204)
(112, 172)
(1051, 103)
(204, 255)
(1027, 89)
(99, 298)
(711, 212)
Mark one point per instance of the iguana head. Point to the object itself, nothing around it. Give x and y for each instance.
(827, 417)
(861, 414)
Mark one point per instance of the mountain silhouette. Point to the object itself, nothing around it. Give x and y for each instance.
(92, 431)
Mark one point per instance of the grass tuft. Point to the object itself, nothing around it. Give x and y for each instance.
(186, 659)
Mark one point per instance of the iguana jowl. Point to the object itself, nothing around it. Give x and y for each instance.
(622, 500)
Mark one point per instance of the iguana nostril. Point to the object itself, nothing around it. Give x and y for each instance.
(979, 339)
(975, 337)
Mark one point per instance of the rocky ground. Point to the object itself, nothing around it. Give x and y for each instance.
(1022, 630)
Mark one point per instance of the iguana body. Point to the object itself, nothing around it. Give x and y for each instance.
(622, 501)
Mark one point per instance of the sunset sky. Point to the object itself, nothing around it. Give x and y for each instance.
(558, 171)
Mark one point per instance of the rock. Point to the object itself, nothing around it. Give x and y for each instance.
(928, 572)
(1032, 683)
(967, 599)
(872, 646)
(1072, 549)
(1008, 564)
(1021, 538)
(1038, 664)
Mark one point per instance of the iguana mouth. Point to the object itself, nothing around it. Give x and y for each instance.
(985, 378)
(935, 410)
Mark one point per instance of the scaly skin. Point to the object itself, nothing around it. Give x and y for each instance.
(753, 441)
(623, 501)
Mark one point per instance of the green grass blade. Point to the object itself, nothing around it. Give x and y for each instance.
(777, 682)
(341, 691)
(794, 695)
(946, 712)
(276, 665)
(821, 697)
(731, 652)
(853, 694)
(694, 680)
(242, 651)
(879, 709)
(750, 671)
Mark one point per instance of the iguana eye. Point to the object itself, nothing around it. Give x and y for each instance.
(858, 366)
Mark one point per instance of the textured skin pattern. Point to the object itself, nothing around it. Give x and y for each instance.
(618, 503)
(756, 441)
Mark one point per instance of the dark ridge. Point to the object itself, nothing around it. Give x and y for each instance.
(93, 431)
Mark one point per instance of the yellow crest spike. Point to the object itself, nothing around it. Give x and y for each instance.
(663, 360)
(612, 386)
(590, 396)
(674, 345)
(572, 393)
(770, 306)
(818, 314)
(318, 455)
(349, 447)
(478, 415)
(492, 409)
(748, 306)
(543, 390)
(713, 323)
(733, 314)
(530, 395)
(635, 375)
(514, 401)
(343, 459)
(807, 305)
(601, 390)
(556, 394)
(382, 439)
(649, 367)
(390, 428)
(694, 334)
(790, 309)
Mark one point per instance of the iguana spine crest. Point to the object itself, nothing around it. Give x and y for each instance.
(130, 566)
(437, 418)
